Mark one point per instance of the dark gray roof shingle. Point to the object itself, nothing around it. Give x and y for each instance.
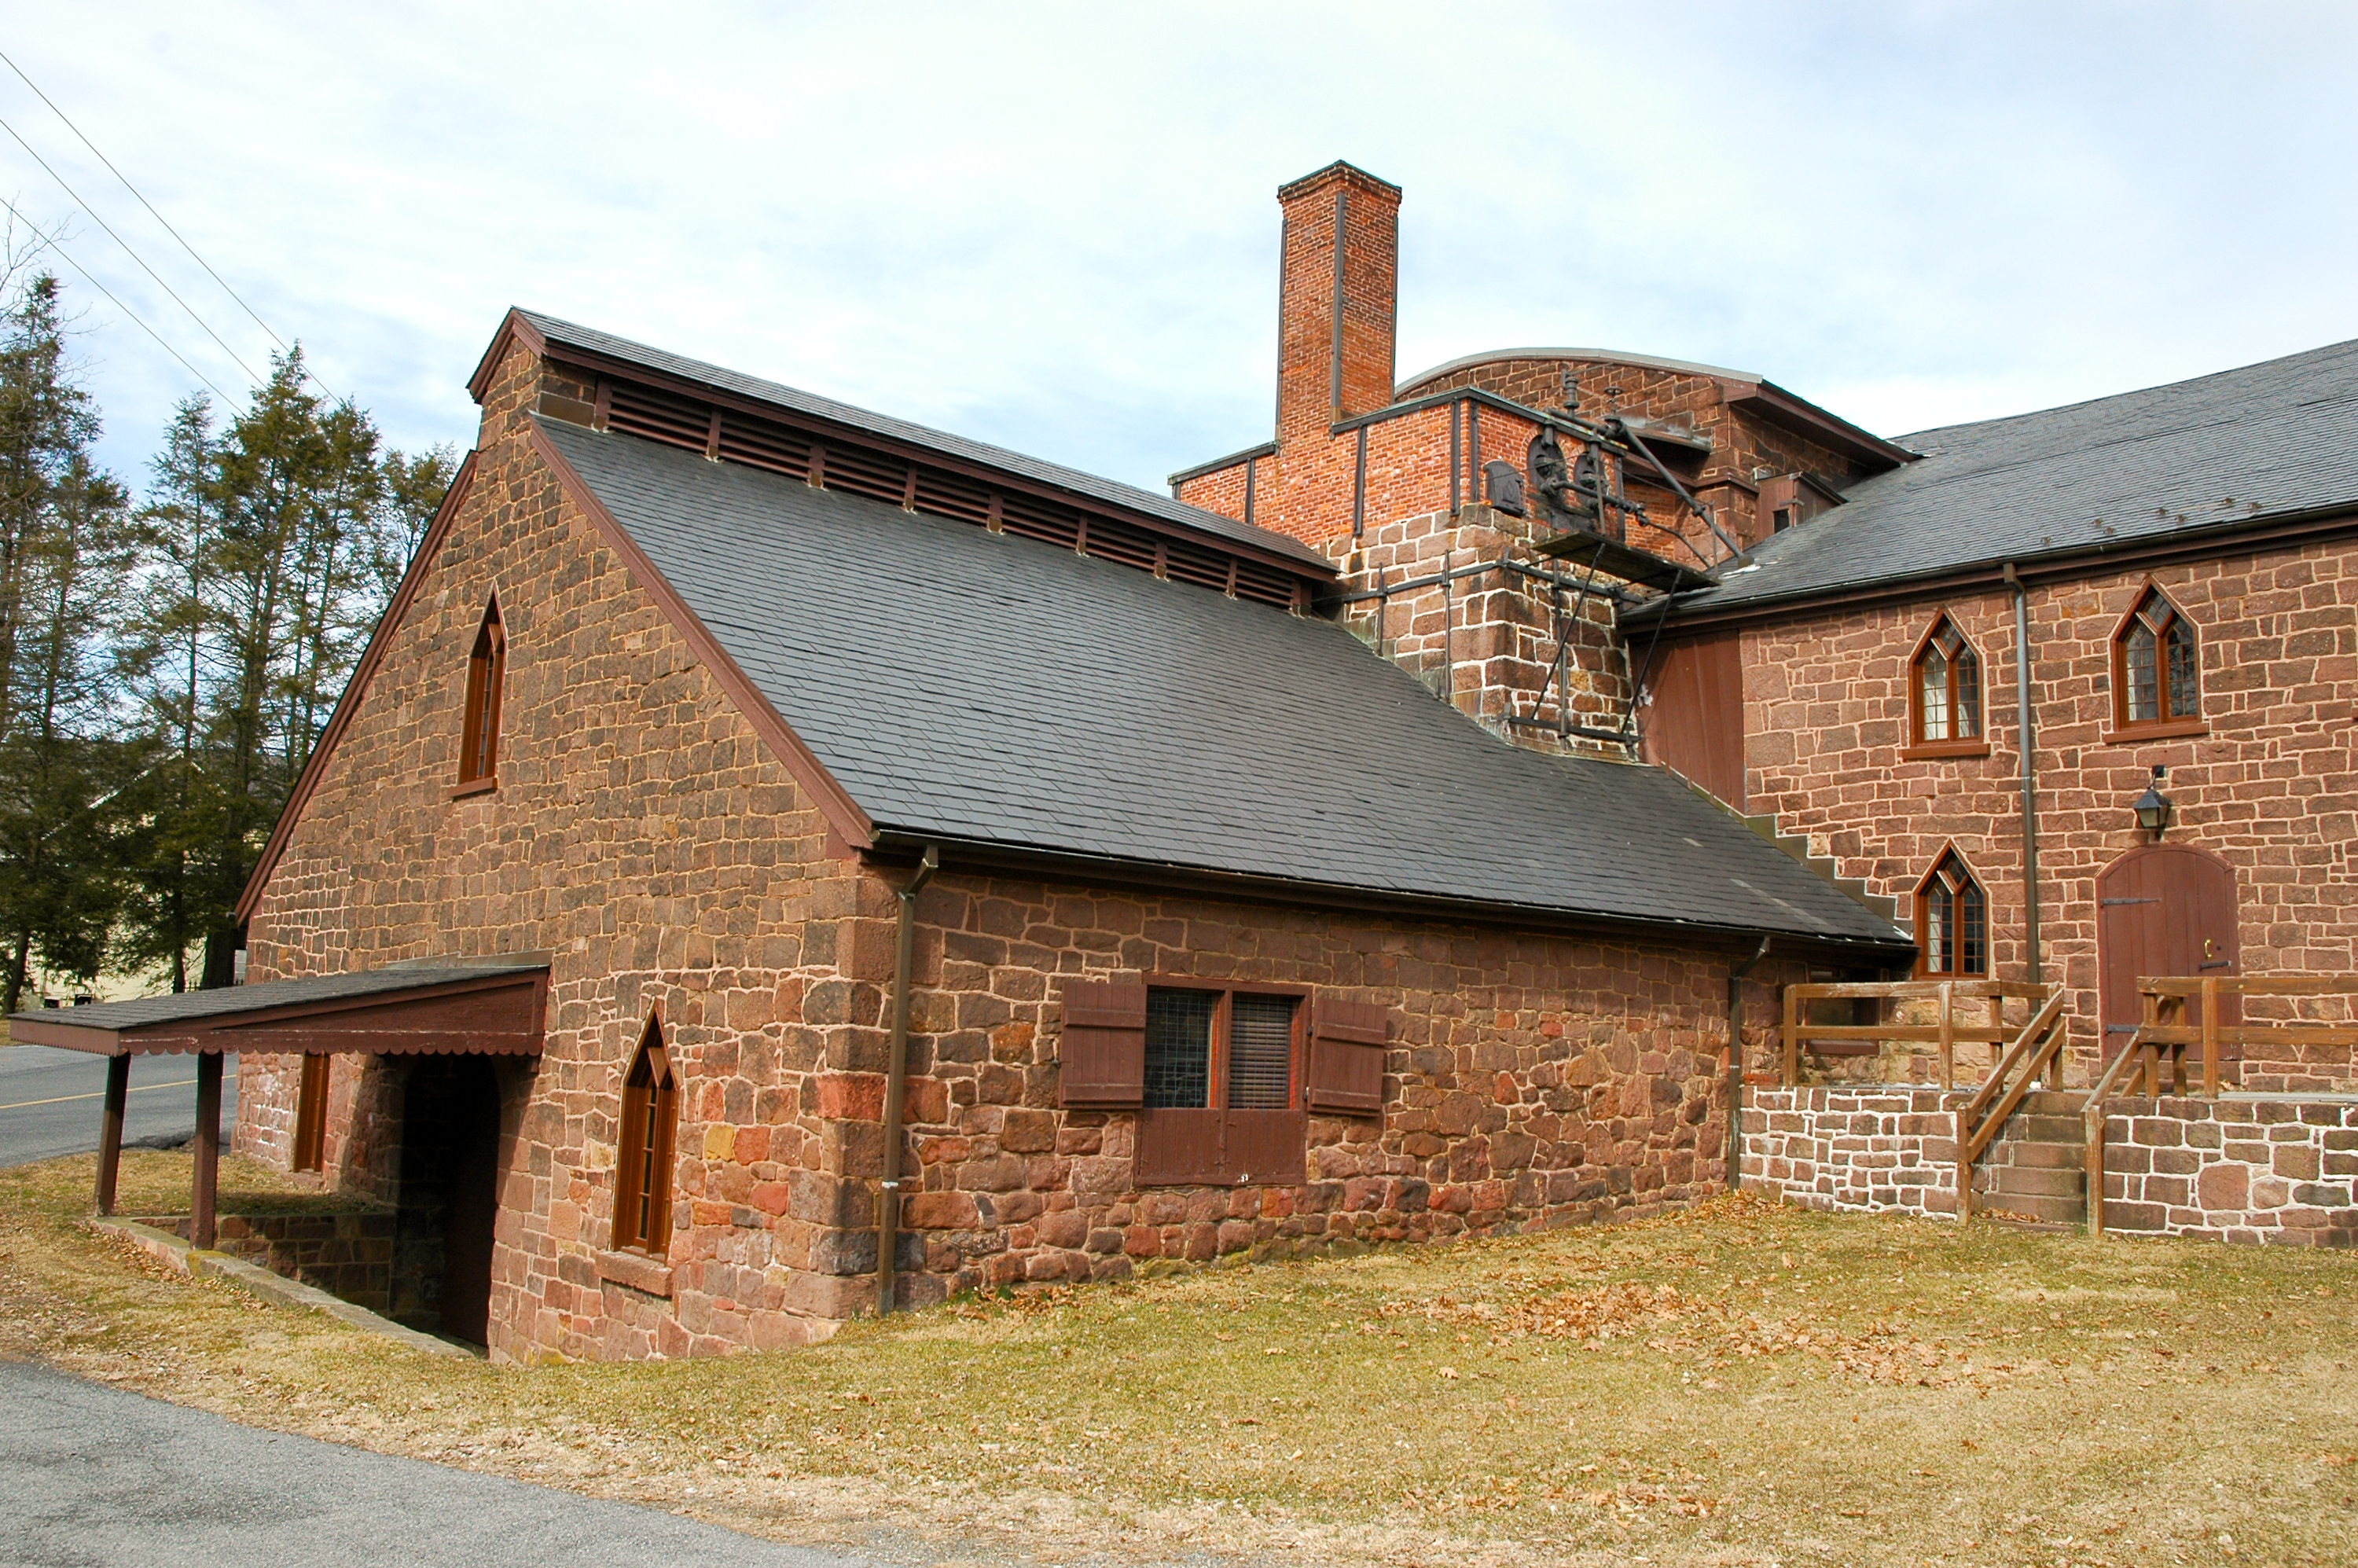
(2236, 448)
(980, 688)
(1112, 492)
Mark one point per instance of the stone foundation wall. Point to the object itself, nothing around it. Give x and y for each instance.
(2234, 1170)
(347, 1255)
(1889, 1148)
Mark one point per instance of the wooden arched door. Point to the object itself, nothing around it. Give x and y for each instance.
(2161, 909)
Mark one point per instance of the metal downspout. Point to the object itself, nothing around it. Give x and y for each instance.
(896, 1080)
(1736, 976)
(2024, 741)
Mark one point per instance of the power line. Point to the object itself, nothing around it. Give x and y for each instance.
(51, 241)
(151, 207)
(135, 255)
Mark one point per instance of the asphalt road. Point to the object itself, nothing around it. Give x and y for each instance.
(51, 1100)
(93, 1475)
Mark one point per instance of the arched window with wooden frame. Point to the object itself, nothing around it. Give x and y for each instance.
(2157, 675)
(487, 664)
(1953, 920)
(643, 1166)
(1944, 695)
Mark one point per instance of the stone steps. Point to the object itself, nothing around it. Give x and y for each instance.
(2036, 1167)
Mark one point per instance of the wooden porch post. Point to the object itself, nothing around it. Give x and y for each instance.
(206, 1180)
(109, 1129)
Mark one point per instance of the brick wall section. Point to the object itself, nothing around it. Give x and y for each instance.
(2272, 786)
(2278, 1172)
(645, 838)
(1740, 444)
(1369, 236)
(1531, 1082)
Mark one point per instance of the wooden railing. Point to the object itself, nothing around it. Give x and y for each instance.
(1945, 1033)
(2157, 1050)
(2034, 1054)
(2168, 1033)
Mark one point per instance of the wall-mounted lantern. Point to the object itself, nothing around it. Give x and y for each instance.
(2153, 808)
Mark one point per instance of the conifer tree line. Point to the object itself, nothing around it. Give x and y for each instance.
(169, 657)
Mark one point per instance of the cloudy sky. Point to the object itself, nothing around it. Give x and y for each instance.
(1054, 226)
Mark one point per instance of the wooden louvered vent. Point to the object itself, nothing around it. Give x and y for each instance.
(674, 420)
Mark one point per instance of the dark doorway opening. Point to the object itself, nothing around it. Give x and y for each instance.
(2162, 909)
(450, 1196)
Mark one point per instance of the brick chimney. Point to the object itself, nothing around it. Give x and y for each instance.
(1338, 289)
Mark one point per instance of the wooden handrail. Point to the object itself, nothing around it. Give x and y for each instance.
(1979, 1118)
(2092, 1123)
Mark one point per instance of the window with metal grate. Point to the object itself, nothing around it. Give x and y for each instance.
(1179, 1048)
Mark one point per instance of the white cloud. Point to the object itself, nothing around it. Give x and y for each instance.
(1054, 226)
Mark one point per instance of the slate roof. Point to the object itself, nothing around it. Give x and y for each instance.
(2217, 452)
(590, 340)
(143, 1012)
(986, 689)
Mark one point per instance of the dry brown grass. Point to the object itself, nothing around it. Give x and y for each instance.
(1746, 1384)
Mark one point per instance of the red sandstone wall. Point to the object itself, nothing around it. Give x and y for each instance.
(2271, 786)
(644, 837)
(1531, 1081)
(1490, 642)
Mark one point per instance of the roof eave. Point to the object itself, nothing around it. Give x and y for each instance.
(1108, 870)
(2292, 526)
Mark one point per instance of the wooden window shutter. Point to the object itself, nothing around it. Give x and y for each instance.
(1103, 1052)
(1347, 1057)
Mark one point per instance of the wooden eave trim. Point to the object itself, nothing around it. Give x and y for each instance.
(906, 451)
(900, 848)
(2287, 530)
(514, 327)
(1766, 399)
(363, 672)
(181, 1036)
(834, 802)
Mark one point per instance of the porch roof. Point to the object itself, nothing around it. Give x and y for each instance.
(495, 1008)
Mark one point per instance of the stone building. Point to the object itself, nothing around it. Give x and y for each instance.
(775, 859)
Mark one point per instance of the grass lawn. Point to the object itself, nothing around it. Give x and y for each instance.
(1744, 1384)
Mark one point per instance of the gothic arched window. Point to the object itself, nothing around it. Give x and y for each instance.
(2154, 675)
(1953, 920)
(1944, 689)
(479, 742)
(643, 1166)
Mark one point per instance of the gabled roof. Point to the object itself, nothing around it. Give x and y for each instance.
(567, 342)
(2220, 455)
(998, 695)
